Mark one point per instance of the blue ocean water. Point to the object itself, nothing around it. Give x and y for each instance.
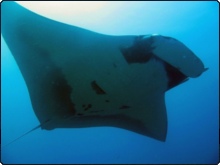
(192, 107)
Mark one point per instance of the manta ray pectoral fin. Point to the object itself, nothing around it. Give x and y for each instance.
(152, 121)
(149, 120)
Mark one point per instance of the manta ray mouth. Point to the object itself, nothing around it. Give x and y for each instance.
(142, 51)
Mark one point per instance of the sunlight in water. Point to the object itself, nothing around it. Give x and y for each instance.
(71, 7)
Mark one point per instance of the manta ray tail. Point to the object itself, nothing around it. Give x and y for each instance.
(35, 128)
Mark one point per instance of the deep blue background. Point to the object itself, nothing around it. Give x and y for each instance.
(192, 107)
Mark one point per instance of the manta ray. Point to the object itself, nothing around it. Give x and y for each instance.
(79, 78)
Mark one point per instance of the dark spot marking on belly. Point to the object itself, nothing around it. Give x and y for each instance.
(97, 88)
(80, 114)
(124, 107)
(88, 107)
(107, 101)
